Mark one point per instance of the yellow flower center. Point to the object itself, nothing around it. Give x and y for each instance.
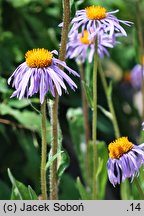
(38, 58)
(119, 147)
(84, 38)
(95, 12)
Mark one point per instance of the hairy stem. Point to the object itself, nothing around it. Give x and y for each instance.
(94, 121)
(54, 147)
(141, 48)
(44, 151)
(54, 113)
(64, 34)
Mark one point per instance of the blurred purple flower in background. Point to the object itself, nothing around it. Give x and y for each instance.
(40, 73)
(125, 160)
(136, 76)
(81, 47)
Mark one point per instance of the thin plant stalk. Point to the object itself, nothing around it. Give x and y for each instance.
(54, 146)
(44, 151)
(109, 101)
(54, 112)
(94, 121)
(65, 29)
(139, 188)
(141, 48)
(86, 119)
(1, 21)
(141, 51)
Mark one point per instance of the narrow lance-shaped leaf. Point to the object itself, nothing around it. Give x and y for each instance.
(88, 92)
(52, 158)
(20, 191)
(32, 193)
(105, 112)
(83, 193)
(64, 161)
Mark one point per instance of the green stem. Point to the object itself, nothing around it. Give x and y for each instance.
(109, 101)
(54, 147)
(94, 121)
(44, 151)
(141, 48)
(54, 112)
(139, 188)
(86, 120)
(1, 21)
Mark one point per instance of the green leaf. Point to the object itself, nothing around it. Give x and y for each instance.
(138, 183)
(76, 124)
(28, 119)
(19, 190)
(3, 85)
(73, 8)
(110, 88)
(32, 158)
(18, 3)
(32, 193)
(79, 2)
(104, 125)
(88, 73)
(64, 162)
(101, 173)
(83, 193)
(4, 109)
(125, 190)
(51, 159)
(67, 188)
(141, 137)
(100, 166)
(88, 92)
(18, 103)
(130, 190)
(105, 112)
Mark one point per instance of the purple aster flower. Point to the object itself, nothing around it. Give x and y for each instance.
(40, 73)
(136, 76)
(95, 18)
(142, 125)
(125, 160)
(81, 47)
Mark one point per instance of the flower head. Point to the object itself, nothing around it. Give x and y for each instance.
(95, 12)
(142, 125)
(136, 75)
(125, 159)
(81, 46)
(95, 18)
(40, 73)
